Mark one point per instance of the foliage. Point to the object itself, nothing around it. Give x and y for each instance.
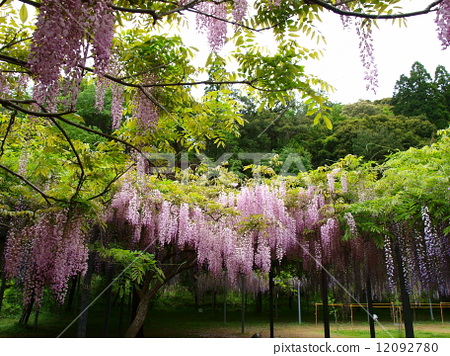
(419, 94)
(134, 265)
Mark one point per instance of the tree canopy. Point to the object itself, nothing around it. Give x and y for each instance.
(420, 94)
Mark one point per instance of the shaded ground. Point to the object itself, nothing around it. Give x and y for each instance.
(189, 324)
(169, 325)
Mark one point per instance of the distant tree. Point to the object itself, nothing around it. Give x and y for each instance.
(418, 95)
(362, 108)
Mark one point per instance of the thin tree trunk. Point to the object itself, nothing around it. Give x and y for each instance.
(121, 307)
(259, 302)
(194, 289)
(326, 313)
(407, 313)
(242, 303)
(214, 300)
(135, 306)
(225, 307)
(36, 318)
(73, 288)
(85, 297)
(370, 306)
(26, 313)
(271, 311)
(86, 288)
(2, 288)
(108, 301)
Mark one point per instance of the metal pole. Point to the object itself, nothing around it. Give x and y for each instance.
(431, 309)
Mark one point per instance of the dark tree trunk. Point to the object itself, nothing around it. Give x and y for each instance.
(121, 308)
(73, 289)
(370, 306)
(259, 302)
(140, 314)
(242, 303)
(214, 302)
(2, 288)
(193, 282)
(225, 307)
(406, 306)
(271, 308)
(108, 301)
(326, 313)
(147, 292)
(85, 297)
(26, 313)
(135, 307)
(36, 318)
(86, 287)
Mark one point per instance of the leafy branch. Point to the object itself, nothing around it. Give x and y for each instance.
(336, 10)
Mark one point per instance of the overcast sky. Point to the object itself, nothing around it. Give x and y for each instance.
(396, 49)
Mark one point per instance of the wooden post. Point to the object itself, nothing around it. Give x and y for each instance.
(442, 312)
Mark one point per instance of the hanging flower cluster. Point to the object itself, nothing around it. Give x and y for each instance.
(364, 31)
(424, 258)
(46, 253)
(59, 43)
(226, 242)
(443, 23)
(210, 19)
(102, 85)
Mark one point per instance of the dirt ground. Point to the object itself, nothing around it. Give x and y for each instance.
(290, 330)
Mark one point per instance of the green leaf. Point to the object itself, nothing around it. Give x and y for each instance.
(328, 123)
(23, 13)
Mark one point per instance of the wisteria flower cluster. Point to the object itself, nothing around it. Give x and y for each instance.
(46, 253)
(59, 42)
(364, 31)
(443, 23)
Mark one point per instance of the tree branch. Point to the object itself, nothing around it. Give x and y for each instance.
(75, 152)
(333, 8)
(150, 12)
(115, 179)
(32, 3)
(10, 105)
(46, 197)
(12, 60)
(8, 129)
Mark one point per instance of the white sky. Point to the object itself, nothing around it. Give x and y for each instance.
(396, 49)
